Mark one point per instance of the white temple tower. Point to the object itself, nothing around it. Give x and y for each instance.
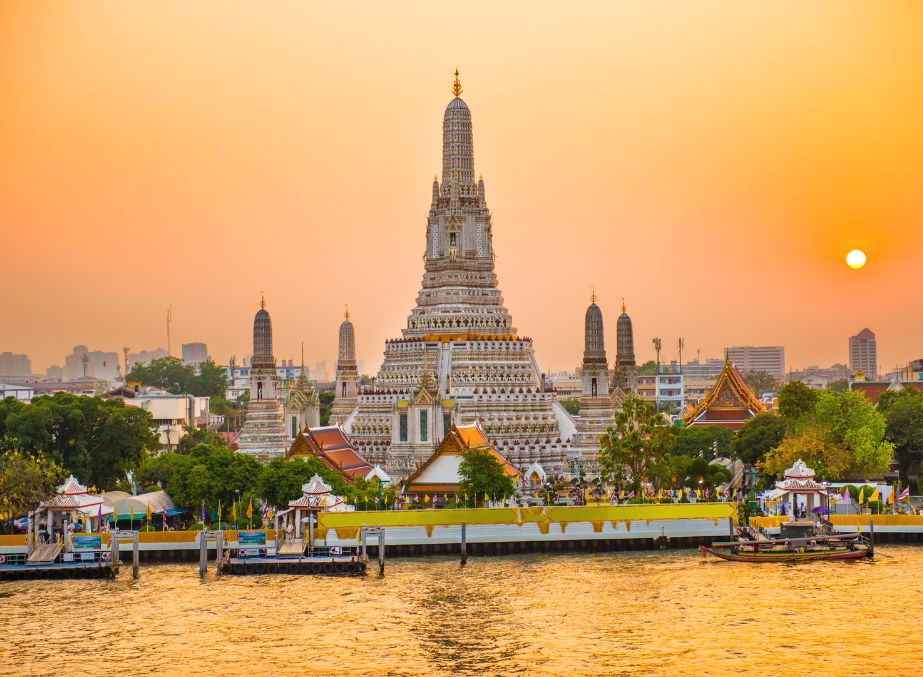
(347, 375)
(263, 434)
(626, 371)
(459, 357)
(596, 407)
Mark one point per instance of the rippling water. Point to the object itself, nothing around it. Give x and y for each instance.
(616, 613)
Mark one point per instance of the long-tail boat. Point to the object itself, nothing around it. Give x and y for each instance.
(802, 549)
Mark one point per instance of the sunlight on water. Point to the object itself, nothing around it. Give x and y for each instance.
(552, 614)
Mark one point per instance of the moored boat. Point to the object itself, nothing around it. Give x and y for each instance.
(846, 547)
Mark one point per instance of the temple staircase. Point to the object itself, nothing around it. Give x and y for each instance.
(292, 547)
(45, 553)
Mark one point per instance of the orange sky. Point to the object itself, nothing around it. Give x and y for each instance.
(712, 162)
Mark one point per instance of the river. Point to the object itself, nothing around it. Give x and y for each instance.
(616, 613)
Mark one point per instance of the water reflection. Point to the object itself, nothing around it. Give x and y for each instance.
(548, 614)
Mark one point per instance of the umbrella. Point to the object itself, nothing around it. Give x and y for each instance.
(821, 510)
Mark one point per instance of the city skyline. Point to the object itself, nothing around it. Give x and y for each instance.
(749, 198)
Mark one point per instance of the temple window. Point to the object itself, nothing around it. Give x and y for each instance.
(424, 426)
(402, 427)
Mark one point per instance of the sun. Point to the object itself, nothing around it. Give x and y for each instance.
(855, 259)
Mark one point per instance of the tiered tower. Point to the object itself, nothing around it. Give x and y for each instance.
(459, 358)
(347, 377)
(596, 407)
(302, 408)
(626, 371)
(263, 434)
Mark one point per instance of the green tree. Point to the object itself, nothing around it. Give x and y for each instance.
(639, 437)
(96, 440)
(571, 405)
(207, 473)
(280, 480)
(827, 460)
(649, 368)
(796, 404)
(758, 436)
(761, 382)
(325, 398)
(26, 480)
(482, 473)
(702, 439)
(166, 373)
(210, 380)
(903, 412)
(839, 385)
(195, 436)
(848, 420)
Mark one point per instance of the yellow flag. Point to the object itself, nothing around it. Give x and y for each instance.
(874, 496)
(426, 498)
(148, 511)
(861, 494)
(250, 510)
(234, 512)
(219, 510)
(891, 497)
(486, 498)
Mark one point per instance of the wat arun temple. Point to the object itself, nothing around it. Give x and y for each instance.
(459, 358)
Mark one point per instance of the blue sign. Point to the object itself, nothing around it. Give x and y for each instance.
(251, 538)
(88, 542)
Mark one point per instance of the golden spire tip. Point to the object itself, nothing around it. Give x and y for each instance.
(593, 295)
(262, 300)
(346, 314)
(456, 86)
(623, 304)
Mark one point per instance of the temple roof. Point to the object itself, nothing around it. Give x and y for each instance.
(331, 445)
(439, 472)
(71, 486)
(730, 392)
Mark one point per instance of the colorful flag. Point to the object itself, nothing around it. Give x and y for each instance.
(234, 512)
(250, 510)
(219, 510)
(266, 510)
(861, 495)
(148, 511)
(891, 497)
(846, 496)
(874, 496)
(426, 498)
(905, 494)
(203, 512)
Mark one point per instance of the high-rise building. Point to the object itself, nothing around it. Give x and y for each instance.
(15, 366)
(91, 365)
(863, 354)
(459, 358)
(195, 353)
(769, 359)
(146, 356)
(263, 434)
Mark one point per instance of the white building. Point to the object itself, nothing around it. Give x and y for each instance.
(171, 413)
(195, 353)
(863, 354)
(15, 366)
(146, 356)
(85, 364)
(769, 359)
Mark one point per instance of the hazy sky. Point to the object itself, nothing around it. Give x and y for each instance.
(711, 162)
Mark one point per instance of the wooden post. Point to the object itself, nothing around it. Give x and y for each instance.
(464, 546)
(203, 553)
(871, 536)
(310, 533)
(381, 551)
(135, 556)
(219, 544)
(114, 550)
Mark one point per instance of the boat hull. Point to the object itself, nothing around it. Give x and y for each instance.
(787, 556)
